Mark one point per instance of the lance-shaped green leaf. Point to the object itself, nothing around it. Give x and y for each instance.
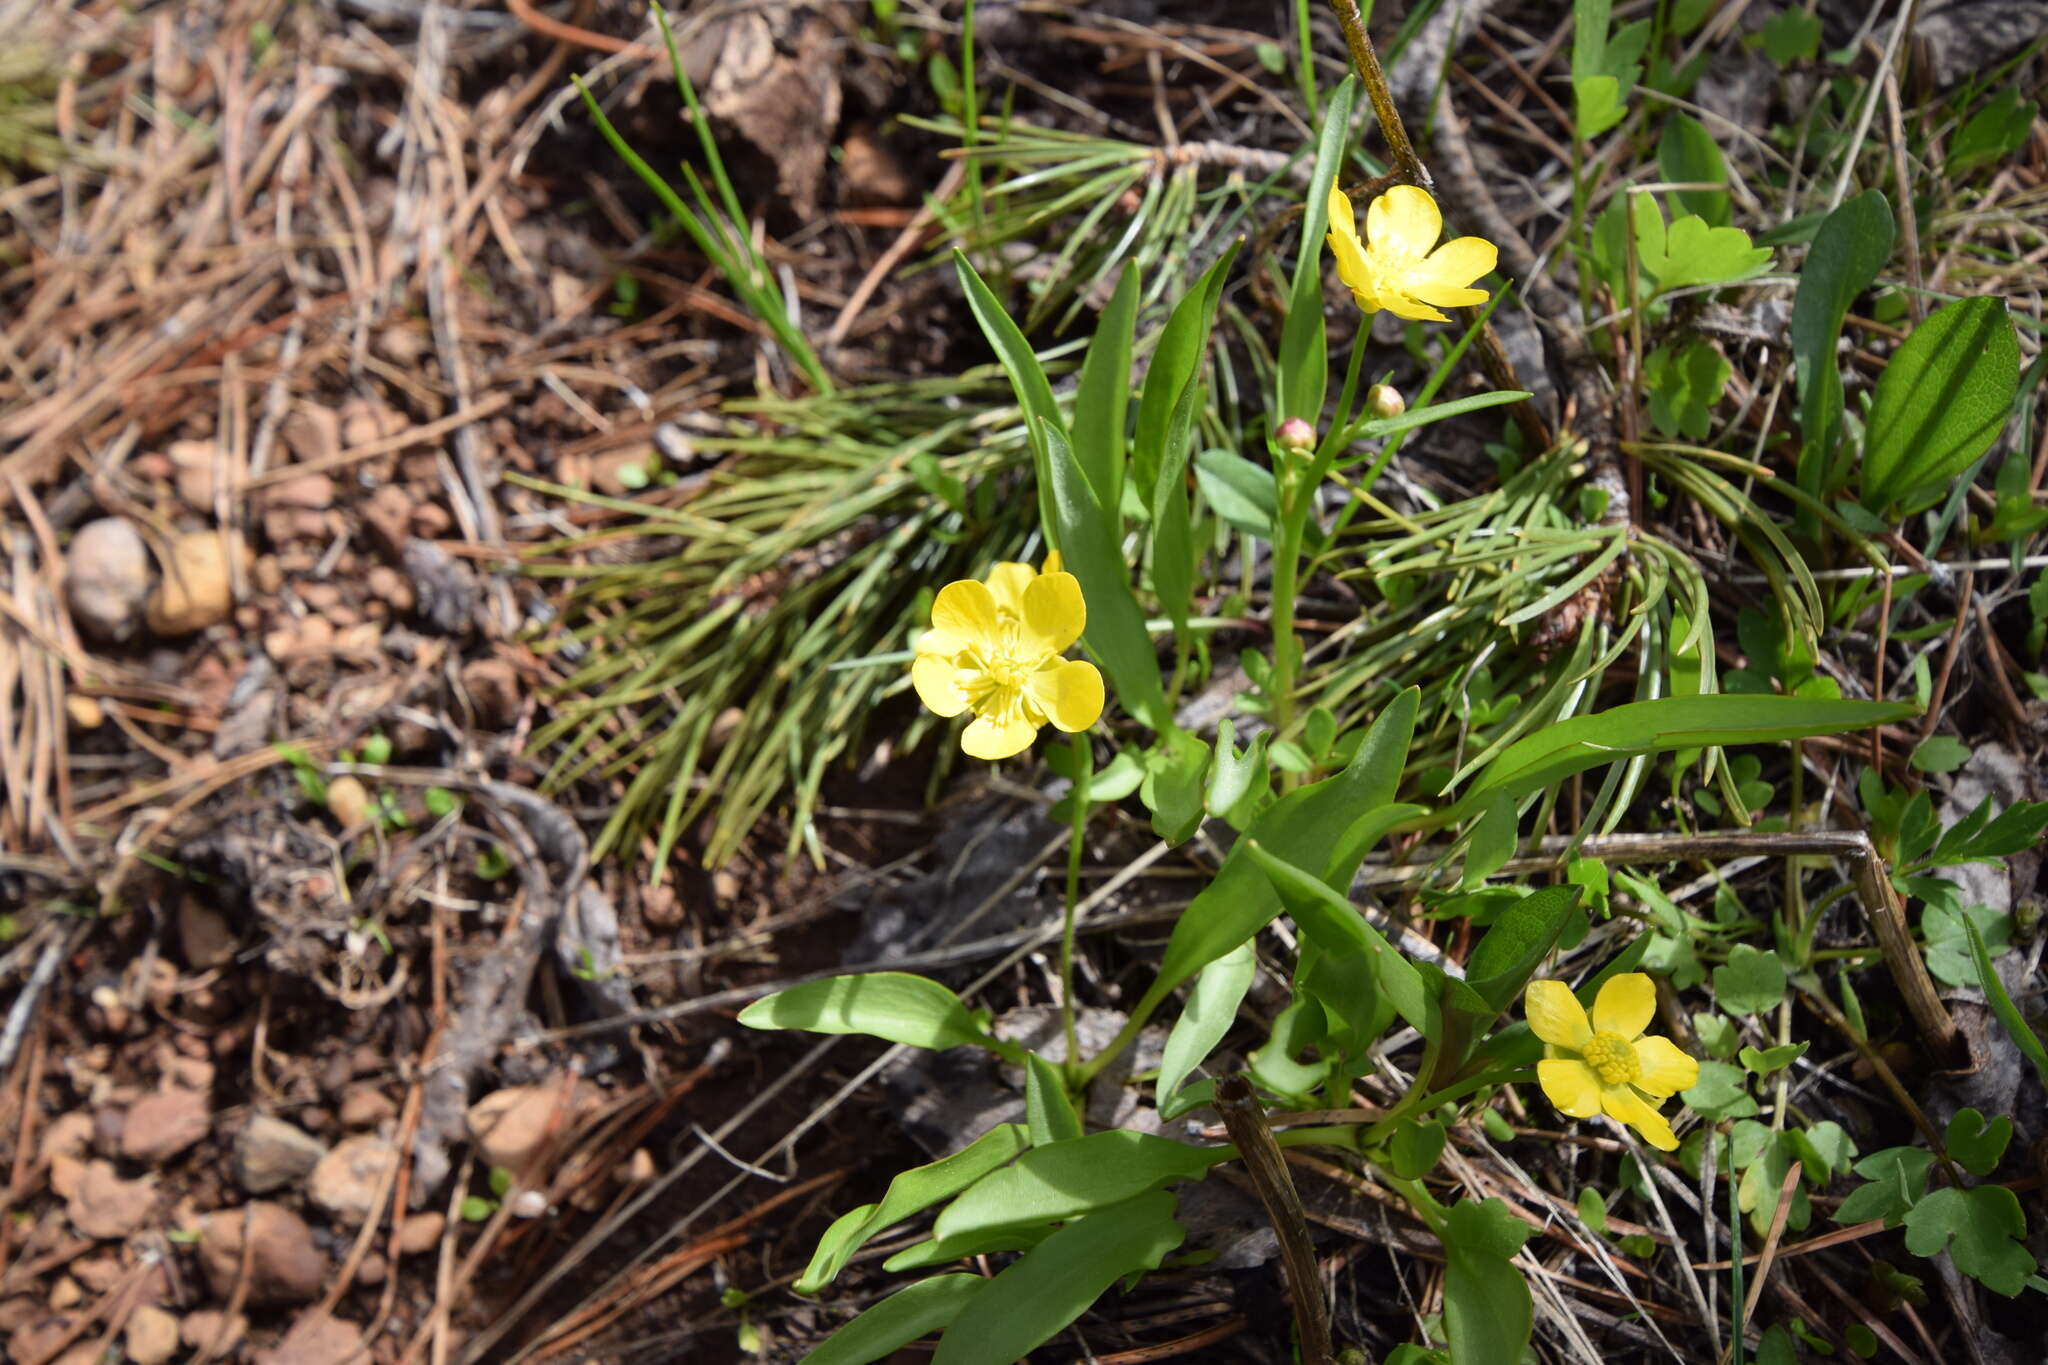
(1104, 396)
(1336, 927)
(1065, 1180)
(1211, 1010)
(915, 1311)
(1056, 1281)
(1488, 1313)
(1576, 744)
(1852, 245)
(912, 1191)
(1027, 377)
(1048, 1113)
(1176, 363)
(1942, 400)
(1093, 553)
(1323, 825)
(1243, 494)
(2016, 1026)
(1304, 346)
(1517, 943)
(897, 1006)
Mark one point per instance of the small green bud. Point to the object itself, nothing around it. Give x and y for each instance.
(1385, 400)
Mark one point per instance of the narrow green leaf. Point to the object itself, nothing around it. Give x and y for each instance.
(1851, 247)
(1048, 1112)
(1056, 1281)
(1663, 724)
(1492, 842)
(1240, 492)
(1304, 360)
(1942, 400)
(1027, 377)
(1517, 943)
(911, 1312)
(1211, 1010)
(1176, 360)
(1093, 553)
(1687, 153)
(2016, 1026)
(1063, 1180)
(1104, 396)
(1173, 547)
(1335, 926)
(910, 1192)
(897, 1006)
(1316, 825)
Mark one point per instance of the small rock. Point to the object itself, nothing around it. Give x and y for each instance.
(152, 1336)
(366, 1107)
(197, 590)
(373, 1269)
(68, 1135)
(387, 516)
(271, 1154)
(512, 1125)
(37, 1342)
(204, 1329)
(107, 578)
(18, 1312)
(66, 1293)
(387, 584)
(348, 801)
(421, 1233)
(349, 1180)
(192, 465)
(316, 1339)
(364, 420)
(164, 1124)
(204, 934)
(106, 1207)
(284, 1264)
(98, 1273)
(192, 1073)
(309, 492)
(67, 1173)
(529, 1204)
(493, 685)
(85, 712)
(312, 433)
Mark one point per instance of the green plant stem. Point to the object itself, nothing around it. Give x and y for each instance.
(1286, 572)
(1084, 773)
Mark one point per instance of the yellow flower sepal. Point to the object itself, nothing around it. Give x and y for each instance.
(1394, 266)
(1606, 1065)
(996, 649)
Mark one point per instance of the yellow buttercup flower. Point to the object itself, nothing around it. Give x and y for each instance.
(1606, 1065)
(1394, 267)
(995, 649)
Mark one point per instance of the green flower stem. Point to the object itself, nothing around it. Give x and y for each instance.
(1286, 572)
(1084, 773)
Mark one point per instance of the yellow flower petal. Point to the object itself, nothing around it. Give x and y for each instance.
(1403, 222)
(1570, 1085)
(1625, 1005)
(990, 738)
(1053, 563)
(1624, 1105)
(937, 680)
(1007, 584)
(1555, 1015)
(1070, 694)
(964, 611)
(1403, 306)
(1454, 265)
(1343, 222)
(1054, 612)
(1665, 1070)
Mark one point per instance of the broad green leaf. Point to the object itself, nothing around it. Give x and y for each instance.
(1658, 726)
(1027, 378)
(1948, 952)
(1686, 153)
(1242, 493)
(1897, 1180)
(912, 1191)
(980, 1242)
(1722, 1092)
(1993, 133)
(1939, 754)
(1492, 842)
(1303, 360)
(1791, 35)
(1942, 400)
(1596, 104)
(1750, 982)
(1036, 1296)
(1316, 825)
(1172, 789)
(1048, 1112)
(1976, 1145)
(1210, 1011)
(1770, 1060)
(1103, 399)
(1067, 1179)
(1689, 252)
(1852, 245)
(1983, 1231)
(1239, 783)
(1093, 553)
(1517, 943)
(1825, 1149)
(1684, 383)
(1335, 926)
(911, 1312)
(1176, 361)
(1488, 1313)
(1414, 1147)
(897, 1006)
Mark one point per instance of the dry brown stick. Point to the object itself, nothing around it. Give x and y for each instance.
(1267, 1168)
(1179, 1346)
(905, 243)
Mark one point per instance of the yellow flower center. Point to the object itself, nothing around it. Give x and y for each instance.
(1612, 1057)
(1000, 668)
